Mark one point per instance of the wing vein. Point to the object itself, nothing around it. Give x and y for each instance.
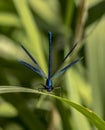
(32, 68)
(31, 57)
(66, 68)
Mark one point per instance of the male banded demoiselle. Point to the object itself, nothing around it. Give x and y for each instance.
(48, 86)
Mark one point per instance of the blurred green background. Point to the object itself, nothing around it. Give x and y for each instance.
(28, 22)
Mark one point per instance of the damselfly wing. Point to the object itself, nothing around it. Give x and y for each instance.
(48, 86)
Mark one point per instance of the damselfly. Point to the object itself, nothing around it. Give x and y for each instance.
(48, 86)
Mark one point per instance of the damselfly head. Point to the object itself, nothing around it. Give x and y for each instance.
(48, 86)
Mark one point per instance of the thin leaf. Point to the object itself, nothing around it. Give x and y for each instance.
(31, 29)
(97, 121)
(9, 19)
(95, 13)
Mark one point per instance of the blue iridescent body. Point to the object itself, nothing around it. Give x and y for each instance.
(48, 86)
